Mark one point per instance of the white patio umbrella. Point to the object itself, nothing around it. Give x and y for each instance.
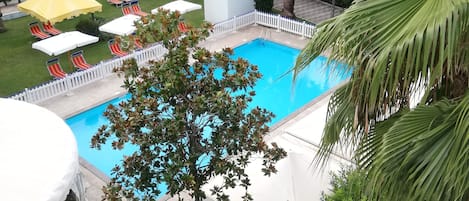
(179, 5)
(38, 153)
(122, 26)
(64, 42)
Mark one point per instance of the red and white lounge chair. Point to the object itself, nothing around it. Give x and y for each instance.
(183, 27)
(51, 29)
(79, 61)
(137, 42)
(126, 9)
(116, 49)
(55, 70)
(36, 31)
(136, 9)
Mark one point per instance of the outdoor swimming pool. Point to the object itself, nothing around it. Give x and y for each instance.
(273, 92)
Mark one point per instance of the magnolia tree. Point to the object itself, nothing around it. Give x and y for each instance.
(188, 121)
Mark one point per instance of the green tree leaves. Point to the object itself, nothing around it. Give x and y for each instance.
(395, 49)
(189, 122)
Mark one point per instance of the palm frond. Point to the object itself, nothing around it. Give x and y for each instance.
(393, 43)
(371, 144)
(425, 154)
(339, 128)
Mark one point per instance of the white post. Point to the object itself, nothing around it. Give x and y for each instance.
(27, 95)
(235, 27)
(101, 69)
(255, 17)
(303, 29)
(68, 85)
(278, 22)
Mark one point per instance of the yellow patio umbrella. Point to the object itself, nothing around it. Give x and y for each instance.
(57, 10)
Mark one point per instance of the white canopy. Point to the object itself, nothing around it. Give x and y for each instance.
(64, 42)
(38, 153)
(179, 5)
(121, 26)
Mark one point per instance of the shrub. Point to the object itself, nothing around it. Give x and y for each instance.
(90, 26)
(347, 185)
(264, 5)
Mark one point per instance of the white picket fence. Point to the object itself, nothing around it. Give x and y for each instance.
(81, 78)
(265, 19)
(105, 68)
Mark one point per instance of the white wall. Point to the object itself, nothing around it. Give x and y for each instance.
(220, 10)
(239, 7)
(215, 10)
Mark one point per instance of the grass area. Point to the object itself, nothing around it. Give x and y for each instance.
(23, 67)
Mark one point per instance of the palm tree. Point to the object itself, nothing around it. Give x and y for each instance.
(401, 52)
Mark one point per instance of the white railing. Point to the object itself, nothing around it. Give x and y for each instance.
(265, 19)
(155, 52)
(81, 78)
(284, 24)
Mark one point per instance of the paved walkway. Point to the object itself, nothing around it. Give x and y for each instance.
(10, 11)
(9, 8)
(314, 11)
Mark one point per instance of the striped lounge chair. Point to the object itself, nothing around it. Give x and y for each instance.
(55, 70)
(115, 48)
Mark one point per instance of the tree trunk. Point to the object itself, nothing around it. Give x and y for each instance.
(2, 26)
(288, 8)
(333, 8)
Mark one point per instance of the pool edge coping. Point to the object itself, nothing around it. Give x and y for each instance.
(93, 169)
(303, 108)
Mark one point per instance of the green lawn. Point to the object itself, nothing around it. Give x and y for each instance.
(23, 67)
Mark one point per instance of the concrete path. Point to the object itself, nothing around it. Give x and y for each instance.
(9, 8)
(10, 11)
(314, 11)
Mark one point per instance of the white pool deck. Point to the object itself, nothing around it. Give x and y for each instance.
(299, 133)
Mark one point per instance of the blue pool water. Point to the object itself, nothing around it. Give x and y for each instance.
(273, 91)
